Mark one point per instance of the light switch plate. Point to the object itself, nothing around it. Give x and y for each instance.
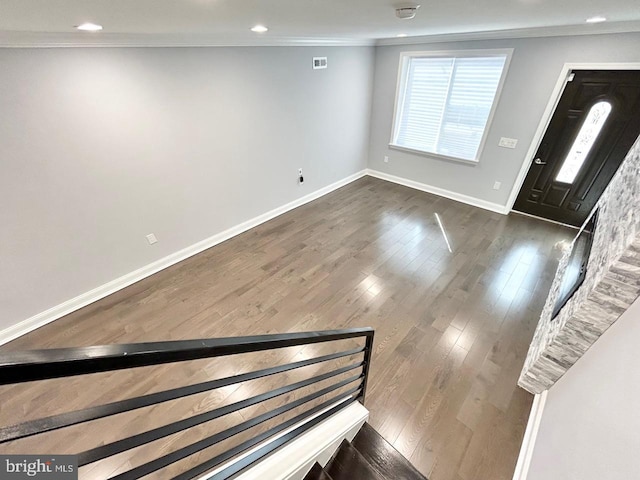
(508, 142)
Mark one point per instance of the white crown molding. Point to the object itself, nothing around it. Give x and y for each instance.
(113, 286)
(104, 39)
(441, 192)
(15, 39)
(557, 31)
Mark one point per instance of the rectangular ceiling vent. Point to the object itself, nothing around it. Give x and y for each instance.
(319, 62)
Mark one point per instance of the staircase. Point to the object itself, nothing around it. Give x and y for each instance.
(311, 418)
(292, 403)
(367, 457)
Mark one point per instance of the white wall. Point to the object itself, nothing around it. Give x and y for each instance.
(590, 424)
(534, 71)
(103, 146)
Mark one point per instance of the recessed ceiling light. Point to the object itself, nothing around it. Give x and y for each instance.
(596, 19)
(89, 27)
(401, 35)
(259, 29)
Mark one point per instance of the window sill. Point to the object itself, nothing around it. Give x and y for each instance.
(435, 156)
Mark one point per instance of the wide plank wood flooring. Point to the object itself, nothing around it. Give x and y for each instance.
(453, 318)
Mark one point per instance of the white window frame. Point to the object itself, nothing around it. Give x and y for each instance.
(401, 86)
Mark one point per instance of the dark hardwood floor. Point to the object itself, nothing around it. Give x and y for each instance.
(453, 319)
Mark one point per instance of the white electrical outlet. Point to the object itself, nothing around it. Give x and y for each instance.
(497, 185)
(386, 159)
(508, 142)
(151, 238)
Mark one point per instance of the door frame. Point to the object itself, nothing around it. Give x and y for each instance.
(558, 90)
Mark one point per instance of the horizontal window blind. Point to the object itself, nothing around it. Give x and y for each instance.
(446, 104)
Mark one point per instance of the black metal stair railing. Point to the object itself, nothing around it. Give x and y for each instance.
(35, 365)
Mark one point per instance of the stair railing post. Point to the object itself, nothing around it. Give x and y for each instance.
(368, 352)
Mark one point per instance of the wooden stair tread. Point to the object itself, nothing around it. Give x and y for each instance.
(349, 464)
(383, 457)
(317, 473)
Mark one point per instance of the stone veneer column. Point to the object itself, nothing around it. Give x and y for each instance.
(611, 284)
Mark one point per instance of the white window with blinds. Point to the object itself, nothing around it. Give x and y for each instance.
(445, 101)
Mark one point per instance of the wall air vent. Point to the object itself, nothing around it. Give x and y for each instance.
(319, 62)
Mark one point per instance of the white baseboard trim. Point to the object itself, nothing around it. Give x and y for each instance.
(113, 286)
(530, 434)
(458, 197)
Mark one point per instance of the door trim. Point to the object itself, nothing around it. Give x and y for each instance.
(550, 110)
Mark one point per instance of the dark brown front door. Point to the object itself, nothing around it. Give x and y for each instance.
(593, 127)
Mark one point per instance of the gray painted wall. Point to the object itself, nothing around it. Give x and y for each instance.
(535, 67)
(590, 423)
(103, 146)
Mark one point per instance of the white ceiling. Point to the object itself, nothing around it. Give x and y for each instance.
(297, 21)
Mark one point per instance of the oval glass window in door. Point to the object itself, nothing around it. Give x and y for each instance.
(583, 143)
